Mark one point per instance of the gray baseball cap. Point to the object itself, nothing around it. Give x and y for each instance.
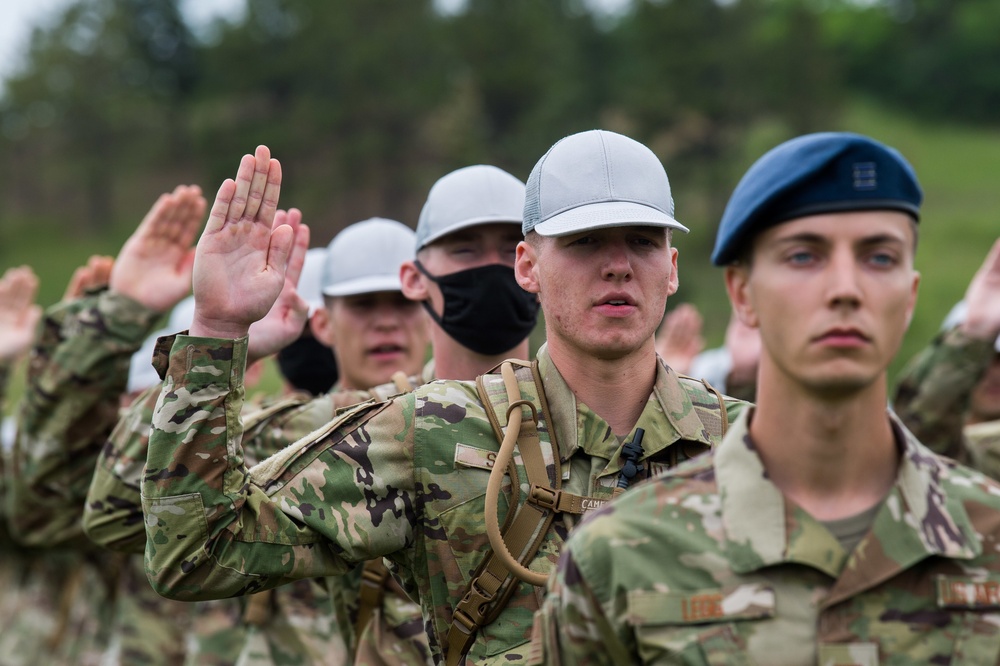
(365, 257)
(594, 180)
(467, 197)
(309, 279)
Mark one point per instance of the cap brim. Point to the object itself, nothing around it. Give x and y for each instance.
(465, 224)
(604, 215)
(364, 285)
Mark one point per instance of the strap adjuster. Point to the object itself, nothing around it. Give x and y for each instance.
(544, 497)
(461, 621)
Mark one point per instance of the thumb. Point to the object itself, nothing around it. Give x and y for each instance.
(280, 248)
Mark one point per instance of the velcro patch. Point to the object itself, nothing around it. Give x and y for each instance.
(471, 456)
(848, 654)
(962, 592)
(742, 602)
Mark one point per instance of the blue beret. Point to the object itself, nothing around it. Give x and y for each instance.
(819, 173)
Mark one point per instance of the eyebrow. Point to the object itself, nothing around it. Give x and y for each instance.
(818, 239)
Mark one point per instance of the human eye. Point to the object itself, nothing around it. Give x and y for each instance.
(883, 259)
(801, 257)
(580, 241)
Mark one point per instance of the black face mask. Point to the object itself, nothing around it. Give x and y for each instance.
(308, 365)
(485, 308)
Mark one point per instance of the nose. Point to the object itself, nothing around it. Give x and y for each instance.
(617, 263)
(844, 288)
(386, 317)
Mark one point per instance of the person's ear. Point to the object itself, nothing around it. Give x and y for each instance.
(526, 267)
(321, 325)
(413, 281)
(738, 289)
(913, 298)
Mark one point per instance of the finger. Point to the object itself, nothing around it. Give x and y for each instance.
(101, 269)
(221, 206)
(280, 248)
(163, 217)
(75, 287)
(259, 183)
(269, 198)
(280, 218)
(190, 217)
(992, 262)
(297, 258)
(238, 199)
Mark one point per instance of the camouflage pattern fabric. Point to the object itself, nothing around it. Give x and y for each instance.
(710, 564)
(307, 622)
(78, 373)
(933, 392)
(403, 479)
(60, 606)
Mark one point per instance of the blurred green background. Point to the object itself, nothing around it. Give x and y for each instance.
(368, 102)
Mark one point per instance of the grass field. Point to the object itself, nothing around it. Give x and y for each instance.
(958, 168)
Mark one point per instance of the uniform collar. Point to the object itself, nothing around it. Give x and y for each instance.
(667, 417)
(917, 519)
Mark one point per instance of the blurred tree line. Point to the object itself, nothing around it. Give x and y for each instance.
(367, 102)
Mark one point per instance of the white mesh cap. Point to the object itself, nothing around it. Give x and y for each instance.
(597, 179)
(365, 257)
(467, 197)
(957, 316)
(309, 279)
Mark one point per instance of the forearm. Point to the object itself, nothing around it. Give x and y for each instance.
(78, 372)
(113, 511)
(933, 393)
(211, 531)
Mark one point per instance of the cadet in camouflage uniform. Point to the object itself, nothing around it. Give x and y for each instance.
(405, 479)
(467, 233)
(76, 380)
(949, 394)
(71, 404)
(54, 605)
(298, 624)
(820, 531)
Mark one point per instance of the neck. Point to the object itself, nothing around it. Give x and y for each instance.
(616, 389)
(455, 361)
(833, 457)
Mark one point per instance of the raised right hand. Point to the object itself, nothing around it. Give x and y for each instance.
(982, 319)
(19, 314)
(240, 260)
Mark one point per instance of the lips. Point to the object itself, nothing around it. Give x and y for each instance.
(617, 299)
(387, 349)
(843, 335)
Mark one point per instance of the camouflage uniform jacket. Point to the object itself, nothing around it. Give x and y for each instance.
(932, 398)
(308, 621)
(404, 479)
(65, 596)
(710, 564)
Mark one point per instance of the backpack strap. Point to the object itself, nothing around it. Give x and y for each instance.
(374, 576)
(513, 545)
(258, 610)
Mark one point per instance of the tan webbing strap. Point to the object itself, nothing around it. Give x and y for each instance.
(257, 612)
(723, 414)
(520, 539)
(402, 382)
(374, 576)
(66, 600)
